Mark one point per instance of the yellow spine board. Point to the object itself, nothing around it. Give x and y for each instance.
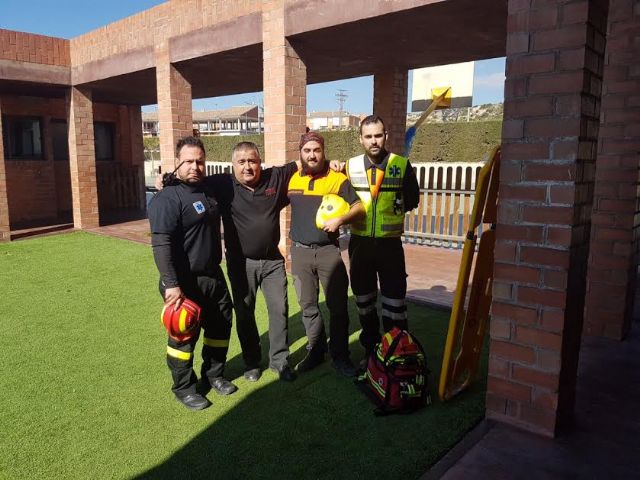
(468, 326)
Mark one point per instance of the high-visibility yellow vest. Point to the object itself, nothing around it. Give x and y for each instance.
(383, 200)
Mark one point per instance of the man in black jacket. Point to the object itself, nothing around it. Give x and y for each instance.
(185, 236)
(250, 201)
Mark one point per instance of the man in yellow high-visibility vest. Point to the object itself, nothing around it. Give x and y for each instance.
(387, 186)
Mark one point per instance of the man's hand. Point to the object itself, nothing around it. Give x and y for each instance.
(337, 165)
(158, 183)
(173, 296)
(333, 224)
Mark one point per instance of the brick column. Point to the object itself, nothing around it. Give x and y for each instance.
(82, 159)
(285, 99)
(613, 258)
(175, 116)
(137, 148)
(551, 111)
(390, 102)
(5, 230)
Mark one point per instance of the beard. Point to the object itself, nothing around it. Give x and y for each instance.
(190, 179)
(312, 169)
(378, 156)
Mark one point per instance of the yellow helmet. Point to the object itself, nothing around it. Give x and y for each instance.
(332, 206)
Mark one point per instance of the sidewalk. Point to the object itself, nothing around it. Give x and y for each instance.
(603, 443)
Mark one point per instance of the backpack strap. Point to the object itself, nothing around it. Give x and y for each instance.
(394, 344)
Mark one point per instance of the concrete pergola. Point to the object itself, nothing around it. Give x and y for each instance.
(565, 257)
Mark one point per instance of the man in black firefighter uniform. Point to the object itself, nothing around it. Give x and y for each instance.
(250, 201)
(387, 186)
(185, 236)
(315, 255)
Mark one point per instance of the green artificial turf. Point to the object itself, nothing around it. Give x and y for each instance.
(86, 393)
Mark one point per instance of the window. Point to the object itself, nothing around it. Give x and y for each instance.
(22, 137)
(104, 134)
(60, 138)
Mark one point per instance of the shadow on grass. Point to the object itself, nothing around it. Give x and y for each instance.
(322, 426)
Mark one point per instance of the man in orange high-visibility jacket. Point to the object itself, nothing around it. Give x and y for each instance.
(315, 255)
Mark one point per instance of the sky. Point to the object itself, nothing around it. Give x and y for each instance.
(70, 18)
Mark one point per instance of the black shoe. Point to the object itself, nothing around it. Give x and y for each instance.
(344, 367)
(311, 361)
(285, 374)
(193, 401)
(252, 375)
(220, 385)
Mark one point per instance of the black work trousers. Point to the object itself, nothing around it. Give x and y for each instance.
(372, 260)
(246, 276)
(311, 266)
(212, 295)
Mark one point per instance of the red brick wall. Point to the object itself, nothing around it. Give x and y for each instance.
(49, 184)
(552, 101)
(32, 183)
(4, 206)
(32, 190)
(27, 47)
(156, 24)
(613, 258)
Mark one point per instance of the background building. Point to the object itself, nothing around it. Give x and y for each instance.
(229, 121)
(332, 120)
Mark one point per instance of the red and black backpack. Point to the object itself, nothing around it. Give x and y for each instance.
(396, 374)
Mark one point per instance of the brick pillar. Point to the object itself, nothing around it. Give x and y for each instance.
(549, 135)
(390, 102)
(285, 99)
(175, 116)
(135, 134)
(82, 159)
(613, 259)
(137, 148)
(5, 230)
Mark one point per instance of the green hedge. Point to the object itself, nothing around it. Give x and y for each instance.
(434, 142)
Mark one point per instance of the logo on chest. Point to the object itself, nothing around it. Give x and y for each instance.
(269, 192)
(199, 207)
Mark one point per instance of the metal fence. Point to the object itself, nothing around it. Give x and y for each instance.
(218, 167)
(447, 193)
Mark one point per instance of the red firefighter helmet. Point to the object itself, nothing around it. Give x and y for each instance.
(181, 324)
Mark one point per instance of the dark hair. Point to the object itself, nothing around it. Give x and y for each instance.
(244, 146)
(191, 142)
(370, 120)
